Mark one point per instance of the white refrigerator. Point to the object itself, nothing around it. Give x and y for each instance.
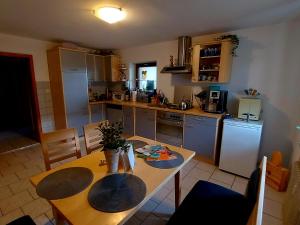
(240, 146)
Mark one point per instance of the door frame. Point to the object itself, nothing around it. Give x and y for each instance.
(36, 108)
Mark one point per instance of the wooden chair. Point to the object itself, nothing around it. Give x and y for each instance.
(92, 136)
(209, 203)
(60, 145)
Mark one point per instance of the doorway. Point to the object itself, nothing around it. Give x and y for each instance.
(20, 124)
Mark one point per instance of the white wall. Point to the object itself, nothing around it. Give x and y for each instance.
(36, 48)
(268, 60)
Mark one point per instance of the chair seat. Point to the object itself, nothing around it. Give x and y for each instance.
(24, 220)
(211, 204)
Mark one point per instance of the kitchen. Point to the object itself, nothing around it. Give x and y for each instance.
(111, 75)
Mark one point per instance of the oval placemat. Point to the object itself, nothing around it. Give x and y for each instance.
(117, 193)
(167, 164)
(137, 143)
(64, 183)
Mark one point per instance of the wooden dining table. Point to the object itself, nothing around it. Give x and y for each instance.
(76, 209)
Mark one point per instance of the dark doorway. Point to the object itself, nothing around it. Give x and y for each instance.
(19, 117)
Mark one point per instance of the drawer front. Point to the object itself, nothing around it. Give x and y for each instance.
(145, 123)
(203, 120)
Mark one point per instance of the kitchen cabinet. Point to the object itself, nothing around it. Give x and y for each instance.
(96, 113)
(200, 135)
(114, 113)
(95, 67)
(69, 88)
(211, 62)
(145, 123)
(128, 120)
(90, 67)
(112, 68)
(72, 61)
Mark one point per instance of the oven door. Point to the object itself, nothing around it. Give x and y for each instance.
(169, 132)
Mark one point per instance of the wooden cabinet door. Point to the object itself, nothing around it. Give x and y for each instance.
(128, 120)
(200, 135)
(73, 61)
(99, 68)
(145, 123)
(96, 113)
(112, 68)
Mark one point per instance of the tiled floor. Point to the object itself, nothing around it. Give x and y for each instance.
(18, 197)
(12, 140)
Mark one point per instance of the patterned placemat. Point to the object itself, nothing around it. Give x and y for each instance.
(117, 193)
(137, 144)
(64, 183)
(167, 164)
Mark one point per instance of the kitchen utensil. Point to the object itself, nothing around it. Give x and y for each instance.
(182, 105)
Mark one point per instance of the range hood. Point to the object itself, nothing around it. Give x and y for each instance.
(184, 57)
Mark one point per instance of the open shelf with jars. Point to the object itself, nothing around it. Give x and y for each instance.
(212, 62)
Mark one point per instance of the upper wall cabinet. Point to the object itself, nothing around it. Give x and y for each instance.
(72, 61)
(112, 68)
(212, 62)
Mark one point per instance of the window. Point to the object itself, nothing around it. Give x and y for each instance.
(146, 76)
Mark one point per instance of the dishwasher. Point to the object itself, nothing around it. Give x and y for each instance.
(114, 113)
(169, 128)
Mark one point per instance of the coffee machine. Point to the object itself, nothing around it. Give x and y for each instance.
(216, 101)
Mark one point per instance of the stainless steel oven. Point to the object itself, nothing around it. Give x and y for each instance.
(169, 128)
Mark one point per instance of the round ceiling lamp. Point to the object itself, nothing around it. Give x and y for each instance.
(110, 14)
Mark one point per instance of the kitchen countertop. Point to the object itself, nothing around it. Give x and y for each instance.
(194, 111)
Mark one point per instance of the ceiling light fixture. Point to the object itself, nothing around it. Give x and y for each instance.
(110, 14)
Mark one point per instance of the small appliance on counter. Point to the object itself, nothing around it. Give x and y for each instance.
(249, 108)
(118, 96)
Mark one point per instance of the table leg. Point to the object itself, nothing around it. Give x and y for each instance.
(57, 216)
(177, 189)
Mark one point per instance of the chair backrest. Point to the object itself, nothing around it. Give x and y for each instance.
(257, 212)
(92, 136)
(60, 145)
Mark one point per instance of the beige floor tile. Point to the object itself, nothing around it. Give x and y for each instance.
(240, 185)
(3, 164)
(160, 195)
(223, 177)
(153, 220)
(274, 195)
(146, 210)
(273, 208)
(270, 220)
(36, 208)
(170, 184)
(206, 167)
(9, 179)
(184, 193)
(20, 185)
(5, 192)
(49, 214)
(11, 216)
(189, 182)
(11, 169)
(42, 220)
(27, 173)
(133, 221)
(32, 192)
(219, 183)
(199, 174)
(165, 209)
(11, 203)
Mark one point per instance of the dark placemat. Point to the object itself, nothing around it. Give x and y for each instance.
(117, 193)
(137, 144)
(64, 183)
(168, 163)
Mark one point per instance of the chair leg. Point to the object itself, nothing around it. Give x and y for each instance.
(57, 216)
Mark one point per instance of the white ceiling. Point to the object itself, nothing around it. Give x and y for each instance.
(148, 21)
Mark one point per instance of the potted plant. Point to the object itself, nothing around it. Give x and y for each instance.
(112, 144)
(234, 39)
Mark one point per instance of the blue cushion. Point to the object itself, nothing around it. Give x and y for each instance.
(24, 220)
(211, 204)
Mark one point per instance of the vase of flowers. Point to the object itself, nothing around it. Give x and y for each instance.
(112, 144)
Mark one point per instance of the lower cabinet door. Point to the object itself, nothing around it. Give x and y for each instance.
(145, 123)
(128, 120)
(199, 136)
